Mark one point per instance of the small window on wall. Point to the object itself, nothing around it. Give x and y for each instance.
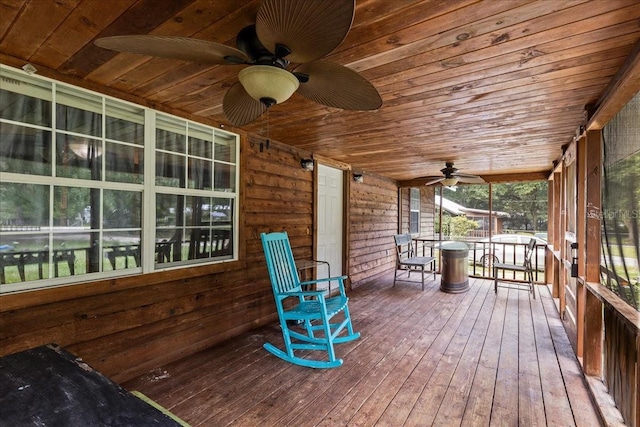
(414, 210)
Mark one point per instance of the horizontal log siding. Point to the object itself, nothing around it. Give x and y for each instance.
(127, 326)
(405, 209)
(373, 222)
(427, 211)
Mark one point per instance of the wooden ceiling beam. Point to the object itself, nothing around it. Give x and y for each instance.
(624, 85)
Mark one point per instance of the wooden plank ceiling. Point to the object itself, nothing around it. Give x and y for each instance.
(496, 86)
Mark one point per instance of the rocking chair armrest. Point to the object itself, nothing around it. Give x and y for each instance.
(283, 295)
(325, 279)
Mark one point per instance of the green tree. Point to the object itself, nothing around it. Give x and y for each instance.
(526, 202)
(460, 226)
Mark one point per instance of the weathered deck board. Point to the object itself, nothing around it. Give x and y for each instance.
(425, 358)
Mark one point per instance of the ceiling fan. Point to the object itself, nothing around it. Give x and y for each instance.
(452, 177)
(286, 32)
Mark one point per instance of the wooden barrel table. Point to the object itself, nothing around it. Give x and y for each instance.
(455, 268)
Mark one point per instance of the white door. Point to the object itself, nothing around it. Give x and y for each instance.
(329, 238)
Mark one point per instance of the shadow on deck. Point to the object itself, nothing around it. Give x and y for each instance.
(425, 358)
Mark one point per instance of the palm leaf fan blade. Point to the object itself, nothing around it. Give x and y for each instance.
(337, 86)
(239, 107)
(309, 28)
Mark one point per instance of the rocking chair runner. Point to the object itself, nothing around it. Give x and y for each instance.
(307, 323)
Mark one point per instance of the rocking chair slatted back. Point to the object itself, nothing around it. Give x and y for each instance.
(282, 271)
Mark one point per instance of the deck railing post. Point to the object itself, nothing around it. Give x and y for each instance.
(593, 322)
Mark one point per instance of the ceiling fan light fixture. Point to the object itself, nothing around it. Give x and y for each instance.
(267, 83)
(450, 182)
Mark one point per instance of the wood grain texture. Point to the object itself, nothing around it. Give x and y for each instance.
(496, 86)
(437, 359)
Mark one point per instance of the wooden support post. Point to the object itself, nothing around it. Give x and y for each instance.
(593, 169)
(558, 234)
(562, 245)
(581, 296)
(548, 259)
(592, 353)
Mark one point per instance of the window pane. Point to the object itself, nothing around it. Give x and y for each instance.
(78, 112)
(200, 147)
(413, 222)
(122, 209)
(25, 99)
(24, 256)
(167, 210)
(171, 134)
(415, 199)
(121, 250)
(225, 177)
(200, 174)
(25, 109)
(24, 206)
(222, 211)
(195, 209)
(25, 150)
(78, 157)
(225, 148)
(125, 163)
(78, 121)
(124, 123)
(72, 207)
(169, 246)
(170, 170)
(73, 253)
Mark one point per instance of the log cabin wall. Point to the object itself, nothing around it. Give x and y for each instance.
(127, 326)
(405, 209)
(373, 222)
(427, 211)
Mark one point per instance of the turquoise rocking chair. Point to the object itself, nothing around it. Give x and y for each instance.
(305, 314)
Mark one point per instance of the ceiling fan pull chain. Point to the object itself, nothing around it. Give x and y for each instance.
(265, 129)
(267, 118)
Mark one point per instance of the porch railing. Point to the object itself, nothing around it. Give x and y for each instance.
(483, 254)
(612, 348)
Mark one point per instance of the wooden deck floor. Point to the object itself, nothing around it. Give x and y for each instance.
(424, 358)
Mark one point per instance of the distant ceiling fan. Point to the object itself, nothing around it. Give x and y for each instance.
(452, 177)
(286, 31)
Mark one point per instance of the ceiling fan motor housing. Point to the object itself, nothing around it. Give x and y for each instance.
(248, 42)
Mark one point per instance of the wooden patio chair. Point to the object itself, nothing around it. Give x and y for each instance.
(306, 316)
(526, 268)
(406, 259)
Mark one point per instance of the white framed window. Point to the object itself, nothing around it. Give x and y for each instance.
(414, 210)
(195, 180)
(79, 176)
